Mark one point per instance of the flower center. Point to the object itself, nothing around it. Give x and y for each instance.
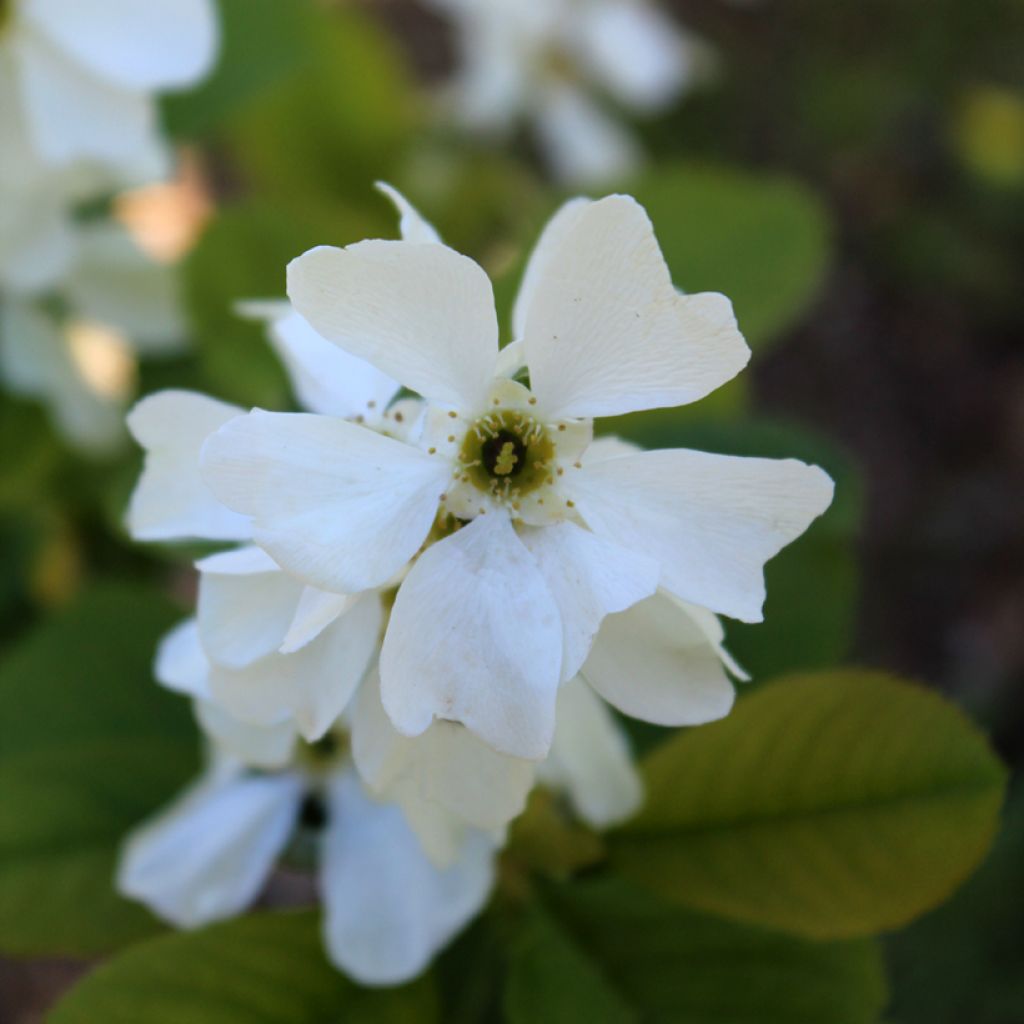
(507, 454)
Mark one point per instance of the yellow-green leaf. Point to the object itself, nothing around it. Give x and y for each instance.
(828, 805)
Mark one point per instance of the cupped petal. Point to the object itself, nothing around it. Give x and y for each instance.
(325, 379)
(316, 610)
(387, 908)
(245, 607)
(423, 314)
(254, 745)
(341, 507)
(446, 766)
(475, 637)
(655, 662)
(412, 224)
(636, 51)
(585, 146)
(590, 759)
(116, 284)
(161, 44)
(710, 521)
(208, 855)
(181, 664)
(607, 333)
(74, 114)
(589, 577)
(311, 686)
(171, 501)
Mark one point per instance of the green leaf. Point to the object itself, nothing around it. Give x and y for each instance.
(337, 124)
(89, 745)
(763, 241)
(262, 969)
(828, 805)
(962, 963)
(602, 952)
(262, 41)
(243, 255)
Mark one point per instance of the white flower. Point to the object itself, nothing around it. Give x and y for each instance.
(388, 908)
(116, 303)
(543, 59)
(522, 536)
(79, 76)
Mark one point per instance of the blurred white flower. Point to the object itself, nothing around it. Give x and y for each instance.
(78, 303)
(78, 78)
(548, 61)
(388, 907)
(522, 536)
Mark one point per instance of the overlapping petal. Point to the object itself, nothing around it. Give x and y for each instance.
(311, 686)
(171, 501)
(387, 908)
(656, 662)
(421, 313)
(475, 637)
(605, 330)
(589, 577)
(209, 854)
(710, 521)
(447, 765)
(337, 505)
(590, 759)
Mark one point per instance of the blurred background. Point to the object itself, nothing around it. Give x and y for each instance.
(852, 175)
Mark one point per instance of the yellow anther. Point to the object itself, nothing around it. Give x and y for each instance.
(507, 459)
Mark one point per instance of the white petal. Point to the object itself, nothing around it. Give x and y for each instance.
(636, 52)
(161, 44)
(447, 765)
(589, 578)
(655, 662)
(475, 638)
(584, 145)
(326, 379)
(258, 746)
(339, 506)
(606, 332)
(74, 114)
(246, 604)
(413, 226)
(181, 664)
(388, 910)
(209, 854)
(171, 501)
(311, 686)
(114, 283)
(590, 759)
(548, 245)
(711, 521)
(316, 610)
(422, 314)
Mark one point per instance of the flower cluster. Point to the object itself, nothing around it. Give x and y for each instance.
(541, 61)
(78, 121)
(442, 578)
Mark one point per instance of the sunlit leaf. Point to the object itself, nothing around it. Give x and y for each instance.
(829, 805)
(262, 969)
